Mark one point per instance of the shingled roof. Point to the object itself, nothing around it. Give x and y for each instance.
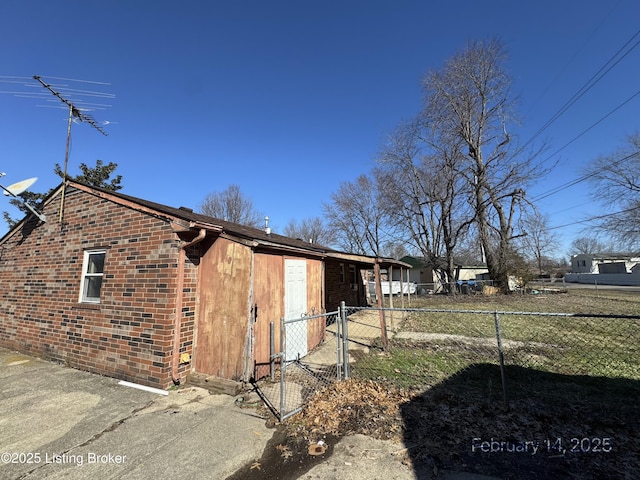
(189, 215)
(197, 220)
(249, 233)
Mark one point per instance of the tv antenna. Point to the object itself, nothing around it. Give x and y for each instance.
(79, 97)
(76, 113)
(17, 188)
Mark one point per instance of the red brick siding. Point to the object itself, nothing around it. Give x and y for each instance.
(129, 335)
(189, 306)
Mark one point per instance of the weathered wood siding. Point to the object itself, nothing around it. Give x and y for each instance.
(224, 309)
(268, 292)
(268, 288)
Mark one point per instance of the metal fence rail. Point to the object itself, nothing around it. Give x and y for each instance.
(422, 347)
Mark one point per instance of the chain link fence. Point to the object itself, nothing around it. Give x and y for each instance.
(419, 348)
(308, 358)
(501, 353)
(465, 287)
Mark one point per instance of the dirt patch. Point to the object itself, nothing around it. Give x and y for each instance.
(417, 338)
(286, 456)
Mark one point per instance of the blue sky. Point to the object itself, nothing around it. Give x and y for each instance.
(289, 98)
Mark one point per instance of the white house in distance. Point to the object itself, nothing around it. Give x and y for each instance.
(605, 269)
(603, 263)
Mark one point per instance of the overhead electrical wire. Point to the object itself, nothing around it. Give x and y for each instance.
(578, 180)
(597, 217)
(584, 89)
(575, 55)
(595, 78)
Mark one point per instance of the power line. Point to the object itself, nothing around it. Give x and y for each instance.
(575, 55)
(597, 217)
(595, 78)
(593, 125)
(77, 80)
(581, 179)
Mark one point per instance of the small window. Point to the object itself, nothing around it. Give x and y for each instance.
(352, 274)
(353, 278)
(342, 277)
(92, 271)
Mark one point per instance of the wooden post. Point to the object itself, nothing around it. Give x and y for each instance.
(402, 289)
(409, 288)
(383, 323)
(390, 275)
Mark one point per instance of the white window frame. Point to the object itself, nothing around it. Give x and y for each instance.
(83, 298)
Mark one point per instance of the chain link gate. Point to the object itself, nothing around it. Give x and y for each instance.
(312, 354)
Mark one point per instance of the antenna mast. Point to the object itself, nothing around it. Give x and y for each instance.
(73, 112)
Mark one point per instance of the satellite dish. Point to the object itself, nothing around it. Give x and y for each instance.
(19, 187)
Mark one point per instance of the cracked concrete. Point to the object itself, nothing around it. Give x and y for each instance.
(58, 422)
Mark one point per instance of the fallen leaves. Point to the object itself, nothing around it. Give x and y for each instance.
(285, 451)
(350, 407)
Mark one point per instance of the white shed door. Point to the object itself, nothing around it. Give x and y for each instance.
(295, 306)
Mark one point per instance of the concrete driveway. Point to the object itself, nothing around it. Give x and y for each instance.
(57, 422)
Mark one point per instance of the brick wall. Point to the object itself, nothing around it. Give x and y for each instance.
(338, 290)
(129, 335)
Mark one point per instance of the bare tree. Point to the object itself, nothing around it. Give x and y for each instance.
(539, 242)
(588, 246)
(395, 249)
(232, 206)
(424, 193)
(616, 178)
(469, 101)
(468, 251)
(312, 230)
(356, 218)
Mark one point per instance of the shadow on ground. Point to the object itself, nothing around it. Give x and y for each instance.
(554, 426)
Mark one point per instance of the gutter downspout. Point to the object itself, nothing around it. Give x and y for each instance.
(178, 320)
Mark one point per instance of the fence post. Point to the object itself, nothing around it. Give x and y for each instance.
(283, 368)
(501, 357)
(338, 345)
(272, 348)
(345, 341)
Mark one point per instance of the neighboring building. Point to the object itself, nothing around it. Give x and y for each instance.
(420, 272)
(148, 293)
(471, 272)
(603, 263)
